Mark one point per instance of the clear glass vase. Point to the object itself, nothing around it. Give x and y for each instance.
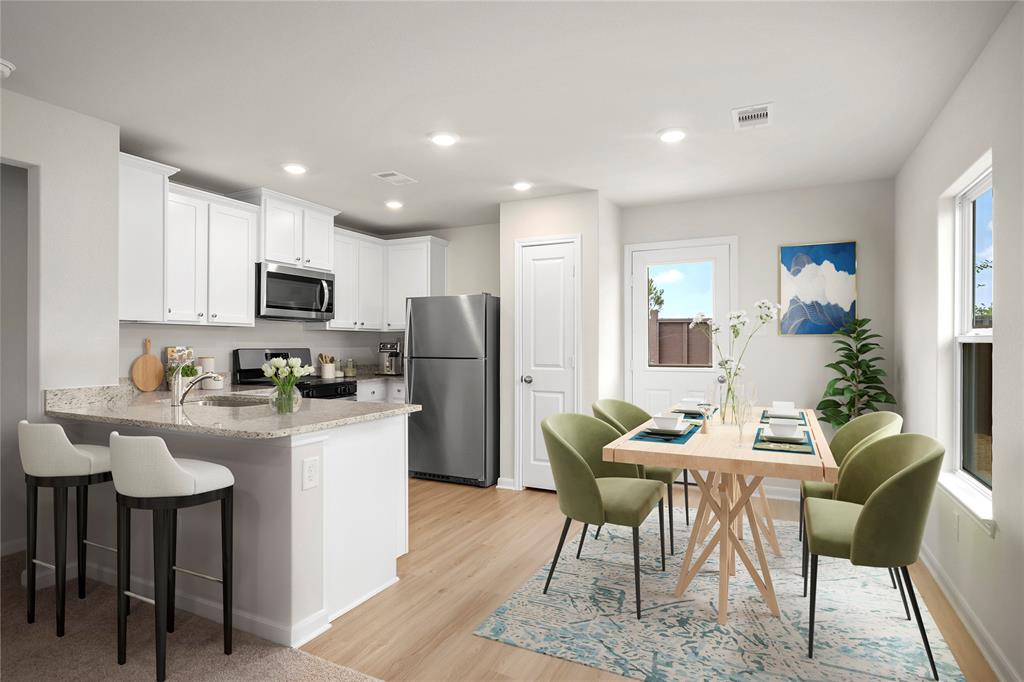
(287, 402)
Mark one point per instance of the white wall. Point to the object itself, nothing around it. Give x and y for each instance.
(610, 291)
(789, 367)
(981, 575)
(13, 349)
(472, 257)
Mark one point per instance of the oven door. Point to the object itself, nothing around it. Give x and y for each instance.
(287, 293)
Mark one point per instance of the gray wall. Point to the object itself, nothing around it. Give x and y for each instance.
(472, 257)
(13, 348)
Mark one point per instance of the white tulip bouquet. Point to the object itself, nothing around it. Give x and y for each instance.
(284, 374)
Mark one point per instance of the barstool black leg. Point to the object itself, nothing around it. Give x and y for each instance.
(161, 564)
(82, 517)
(122, 582)
(227, 561)
(171, 578)
(127, 557)
(60, 551)
(31, 514)
(671, 521)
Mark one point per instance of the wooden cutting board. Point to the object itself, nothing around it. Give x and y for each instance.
(147, 370)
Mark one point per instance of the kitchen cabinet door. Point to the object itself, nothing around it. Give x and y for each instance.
(370, 311)
(317, 240)
(185, 259)
(396, 390)
(282, 232)
(408, 275)
(374, 390)
(346, 283)
(231, 266)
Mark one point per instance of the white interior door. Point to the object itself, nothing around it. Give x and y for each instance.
(546, 351)
(669, 285)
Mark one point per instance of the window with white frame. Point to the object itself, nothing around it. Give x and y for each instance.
(974, 315)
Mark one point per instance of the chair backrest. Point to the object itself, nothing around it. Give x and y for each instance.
(574, 443)
(142, 466)
(894, 478)
(622, 416)
(46, 451)
(873, 425)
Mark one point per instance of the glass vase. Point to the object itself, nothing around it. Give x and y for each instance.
(287, 401)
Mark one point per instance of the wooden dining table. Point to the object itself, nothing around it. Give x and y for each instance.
(729, 472)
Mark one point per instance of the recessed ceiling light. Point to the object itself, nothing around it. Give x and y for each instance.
(671, 135)
(394, 205)
(294, 168)
(522, 186)
(444, 139)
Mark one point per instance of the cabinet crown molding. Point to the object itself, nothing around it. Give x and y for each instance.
(146, 164)
(257, 194)
(219, 199)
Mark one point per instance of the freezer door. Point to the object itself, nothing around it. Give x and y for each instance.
(446, 327)
(448, 437)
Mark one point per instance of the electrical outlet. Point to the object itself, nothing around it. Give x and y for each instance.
(310, 473)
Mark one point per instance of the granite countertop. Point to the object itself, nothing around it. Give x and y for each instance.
(154, 410)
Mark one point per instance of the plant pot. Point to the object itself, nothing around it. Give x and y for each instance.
(287, 402)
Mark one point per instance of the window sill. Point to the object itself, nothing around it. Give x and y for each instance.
(976, 503)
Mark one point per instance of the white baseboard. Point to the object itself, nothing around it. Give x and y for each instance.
(1001, 665)
(506, 484)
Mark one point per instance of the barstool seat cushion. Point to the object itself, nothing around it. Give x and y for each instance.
(208, 476)
(99, 457)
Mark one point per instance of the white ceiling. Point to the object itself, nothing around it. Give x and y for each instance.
(568, 96)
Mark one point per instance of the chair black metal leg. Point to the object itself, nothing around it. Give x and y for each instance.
(558, 550)
(82, 517)
(122, 583)
(161, 566)
(227, 563)
(31, 515)
(903, 596)
(661, 526)
(800, 528)
(60, 551)
(814, 591)
(803, 569)
(583, 536)
(671, 521)
(171, 582)
(686, 497)
(636, 568)
(892, 577)
(598, 531)
(920, 622)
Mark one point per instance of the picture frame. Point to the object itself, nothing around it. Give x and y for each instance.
(817, 287)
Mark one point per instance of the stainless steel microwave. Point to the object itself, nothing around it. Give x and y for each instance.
(287, 293)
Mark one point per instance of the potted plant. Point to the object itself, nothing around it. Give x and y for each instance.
(859, 388)
(284, 374)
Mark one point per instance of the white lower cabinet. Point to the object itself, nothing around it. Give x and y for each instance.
(374, 390)
(396, 390)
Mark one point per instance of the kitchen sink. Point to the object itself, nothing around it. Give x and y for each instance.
(230, 401)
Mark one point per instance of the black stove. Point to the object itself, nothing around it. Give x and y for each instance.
(247, 363)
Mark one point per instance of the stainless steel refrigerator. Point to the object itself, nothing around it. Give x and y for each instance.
(451, 369)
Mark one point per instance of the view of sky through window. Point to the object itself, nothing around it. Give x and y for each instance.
(983, 260)
(687, 288)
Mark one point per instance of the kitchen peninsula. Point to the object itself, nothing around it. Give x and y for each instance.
(321, 500)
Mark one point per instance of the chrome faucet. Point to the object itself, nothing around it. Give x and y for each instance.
(180, 387)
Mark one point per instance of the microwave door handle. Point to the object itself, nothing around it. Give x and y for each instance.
(327, 295)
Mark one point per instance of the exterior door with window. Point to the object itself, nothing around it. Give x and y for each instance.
(668, 358)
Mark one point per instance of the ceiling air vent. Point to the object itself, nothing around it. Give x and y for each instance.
(754, 116)
(394, 178)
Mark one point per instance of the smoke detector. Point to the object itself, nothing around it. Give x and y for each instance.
(394, 178)
(753, 116)
(6, 68)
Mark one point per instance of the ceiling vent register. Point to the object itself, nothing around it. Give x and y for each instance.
(754, 116)
(394, 178)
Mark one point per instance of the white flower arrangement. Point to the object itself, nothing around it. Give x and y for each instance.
(285, 373)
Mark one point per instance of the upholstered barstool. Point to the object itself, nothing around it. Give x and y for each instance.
(50, 460)
(146, 476)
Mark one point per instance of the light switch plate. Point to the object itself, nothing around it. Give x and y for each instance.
(310, 472)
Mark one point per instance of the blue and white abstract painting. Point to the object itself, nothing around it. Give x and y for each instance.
(817, 287)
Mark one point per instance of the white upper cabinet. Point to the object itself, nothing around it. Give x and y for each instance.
(370, 284)
(142, 213)
(232, 281)
(293, 231)
(416, 266)
(185, 258)
(346, 282)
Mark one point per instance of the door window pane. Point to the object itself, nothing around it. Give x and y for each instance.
(982, 240)
(976, 410)
(675, 294)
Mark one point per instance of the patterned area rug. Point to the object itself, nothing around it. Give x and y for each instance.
(588, 616)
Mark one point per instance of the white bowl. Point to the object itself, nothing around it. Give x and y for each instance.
(783, 427)
(783, 405)
(666, 421)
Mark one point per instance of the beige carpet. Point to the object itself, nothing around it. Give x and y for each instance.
(88, 650)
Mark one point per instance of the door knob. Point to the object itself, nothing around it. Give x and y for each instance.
(527, 379)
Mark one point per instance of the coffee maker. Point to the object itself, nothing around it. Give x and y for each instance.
(390, 358)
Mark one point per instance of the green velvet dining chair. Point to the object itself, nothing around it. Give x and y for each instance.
(878, 515)
(593, 491)
(624, 417)
(850, 437)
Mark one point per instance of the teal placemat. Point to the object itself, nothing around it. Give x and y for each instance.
(677, 440)
(805, 448)
(802, 422)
